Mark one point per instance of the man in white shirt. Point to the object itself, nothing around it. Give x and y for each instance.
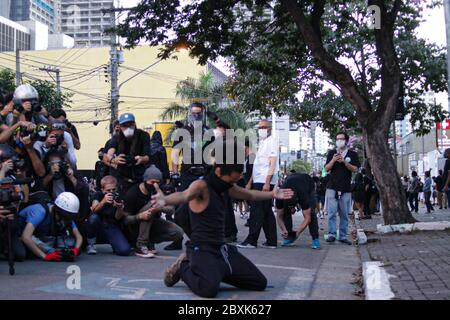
(264, 177)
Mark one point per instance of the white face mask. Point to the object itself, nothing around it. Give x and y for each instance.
(217, 133)
(340, 144)
(128, 132)
(262, 133)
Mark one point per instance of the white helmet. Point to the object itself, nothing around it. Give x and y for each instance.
(68, 202)
(25, 92)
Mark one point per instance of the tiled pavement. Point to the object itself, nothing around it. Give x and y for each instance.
(418, 263)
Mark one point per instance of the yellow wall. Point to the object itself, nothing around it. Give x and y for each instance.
(146, 95)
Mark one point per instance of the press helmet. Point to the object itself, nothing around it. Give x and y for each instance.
(68, 203)
(26, 92)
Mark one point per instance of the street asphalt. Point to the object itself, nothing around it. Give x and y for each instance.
(293, 273)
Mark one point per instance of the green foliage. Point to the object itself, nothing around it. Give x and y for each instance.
(7, 82)
(300, 166)
(211, 94)
(48, 96)
(271, 63)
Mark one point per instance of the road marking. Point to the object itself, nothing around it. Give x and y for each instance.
(283, 267)
(376, 281)
(298, 285)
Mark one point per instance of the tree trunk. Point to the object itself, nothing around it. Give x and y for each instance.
(392, 195)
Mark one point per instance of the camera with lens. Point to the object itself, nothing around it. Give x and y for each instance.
(63, 166)
(67, 255)
(116, 196)
(39, 133)
(129, 161)
(35, 105)
(19, 164)
(10, 191)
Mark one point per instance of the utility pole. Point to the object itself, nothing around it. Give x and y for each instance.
(447, 28)
(57, 72)
(114, 63)
(18, 75)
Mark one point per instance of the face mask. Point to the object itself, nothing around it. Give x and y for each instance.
(149, 187)
(340, 144)
(197, 116)
(217, 133)
(129, 132)
(262, 133)
(217, 184)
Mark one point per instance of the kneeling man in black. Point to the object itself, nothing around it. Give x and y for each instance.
(208, 260)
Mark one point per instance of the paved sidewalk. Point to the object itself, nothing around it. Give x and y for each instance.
(418, 263)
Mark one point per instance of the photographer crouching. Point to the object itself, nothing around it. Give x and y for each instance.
(10, 195)
(128, 153)
(102, 225)
(48, 230)
(61, 178)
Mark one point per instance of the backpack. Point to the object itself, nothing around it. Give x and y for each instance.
(419, 187)
(39, 197)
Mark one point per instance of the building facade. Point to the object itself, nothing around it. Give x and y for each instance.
(13, 36)
(84, 21)
(46, 12)
(146, 95)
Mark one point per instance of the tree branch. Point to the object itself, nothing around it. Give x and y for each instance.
(316, 15)
(390, 69)
(331, 68)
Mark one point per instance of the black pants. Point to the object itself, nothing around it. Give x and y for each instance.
(414, 201)
(313, 225)
(209, 265)
(428, 201)
(17, 246)
(261, 216)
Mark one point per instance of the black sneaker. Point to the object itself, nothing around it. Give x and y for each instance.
(346, 241)
(246, 245)
(269, 246)
(331, 238)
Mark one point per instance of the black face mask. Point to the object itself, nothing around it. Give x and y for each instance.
(217, 184)
(150, 188)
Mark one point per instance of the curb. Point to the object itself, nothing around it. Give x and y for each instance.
(409, 227)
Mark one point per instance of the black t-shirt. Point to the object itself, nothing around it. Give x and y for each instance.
(445, 173)
(340, 176)
(142, 148)
(134, 200)
(303, 187)
(439, 183)
(108, 211)
(195, 144)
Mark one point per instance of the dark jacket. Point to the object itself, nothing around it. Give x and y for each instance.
(158, 155)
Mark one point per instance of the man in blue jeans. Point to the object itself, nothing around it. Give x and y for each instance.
(341, 163)
(102, 222)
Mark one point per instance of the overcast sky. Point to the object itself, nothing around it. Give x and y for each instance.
(432, 29)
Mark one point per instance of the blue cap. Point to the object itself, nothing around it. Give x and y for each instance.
(126, 117)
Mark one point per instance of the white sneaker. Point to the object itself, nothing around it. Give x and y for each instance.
(91, 249)
(143, 252)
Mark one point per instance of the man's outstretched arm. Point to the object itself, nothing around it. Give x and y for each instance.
(256, 195)
(195, 190)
